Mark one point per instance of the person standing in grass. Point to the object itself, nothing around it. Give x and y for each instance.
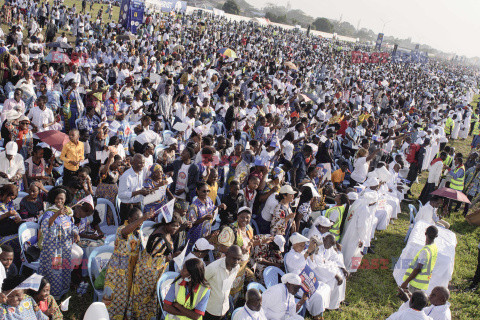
(418, 275)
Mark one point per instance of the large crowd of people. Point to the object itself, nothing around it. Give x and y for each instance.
(251, 165)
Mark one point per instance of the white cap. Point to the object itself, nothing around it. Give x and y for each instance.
(287, 189)
(292, 278)
(88, 199)
(280, 242)
(12, 114)
(202, 244)
(244, 208)
(297, 238)
(323, 221)
(11, 148)
(352, 196)
(170, 141)
(372, 181)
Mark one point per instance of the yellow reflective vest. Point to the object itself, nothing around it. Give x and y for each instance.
(335, 229)
(183, 299)
(458, 184)
(422, 280)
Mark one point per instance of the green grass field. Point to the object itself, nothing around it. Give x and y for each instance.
(371, 292)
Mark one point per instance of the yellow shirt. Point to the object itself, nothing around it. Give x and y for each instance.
(72, 152)
(213, 191)
(338, 176)
(363, 117)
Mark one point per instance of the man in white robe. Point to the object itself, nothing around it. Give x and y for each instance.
(278, 301)
(253, 307)
(329, 267)
(357, 233)
(439, 308)
(414, 311)
(295, 261)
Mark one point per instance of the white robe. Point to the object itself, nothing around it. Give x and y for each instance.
(327, 264)
(456, 128)
(356, 231)
(295, 262)
(279, 304)
(465, 126)
(247, 313)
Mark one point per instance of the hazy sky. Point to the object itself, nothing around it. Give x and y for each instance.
(448, 25)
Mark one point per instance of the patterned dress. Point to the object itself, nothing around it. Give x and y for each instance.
(118, 279)
(56, 254)
(279, 223)
(51, 303)
(143, 303)
(26, 310)
(197, 210)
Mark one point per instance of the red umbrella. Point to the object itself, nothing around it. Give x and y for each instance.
(53, 138)
(451, 194)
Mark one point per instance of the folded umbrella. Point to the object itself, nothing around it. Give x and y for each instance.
(451, 194)
(53, 138)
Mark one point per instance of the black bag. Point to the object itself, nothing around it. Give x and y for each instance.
(32, 253)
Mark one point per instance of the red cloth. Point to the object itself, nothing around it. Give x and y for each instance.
(343, 128)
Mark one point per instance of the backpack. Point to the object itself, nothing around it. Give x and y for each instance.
(412, 153)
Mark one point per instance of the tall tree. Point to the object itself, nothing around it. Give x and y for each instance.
(230, 6)
(323, 24)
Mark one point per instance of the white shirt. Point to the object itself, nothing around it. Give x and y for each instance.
(10, 168)
(360, 169)
(435, 172)
(246, 313)
(129, 182)
(277, 302)
(407, 313)
(182, 179)
(40, 117)
(295, 261)
(439, 312)
(288, 149)
(221, 281)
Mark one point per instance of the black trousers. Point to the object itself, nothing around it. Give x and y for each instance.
(68, 175)
(209, 316)
(125, 208)
(476, 277)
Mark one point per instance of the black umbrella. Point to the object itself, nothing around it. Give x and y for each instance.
(127, 37)
(62, 45)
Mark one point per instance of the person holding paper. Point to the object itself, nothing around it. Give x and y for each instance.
(72, 154)
(18, 305)
(185, 175)
(154, 182)
(188, 295)
(45, 301)
(130, 190)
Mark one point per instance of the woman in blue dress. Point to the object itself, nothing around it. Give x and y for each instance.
(56, 237)
(73, 107)
(18, 305)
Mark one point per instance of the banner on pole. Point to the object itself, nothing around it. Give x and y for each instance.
(378, 44)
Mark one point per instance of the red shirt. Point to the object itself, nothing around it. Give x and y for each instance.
(343, 128)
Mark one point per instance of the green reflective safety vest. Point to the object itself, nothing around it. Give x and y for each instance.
(422, 280)
(335, 229)
(476, 128)
(459, 183)
(474, 118)
(448, 160)
(183, 299)
(449, 125)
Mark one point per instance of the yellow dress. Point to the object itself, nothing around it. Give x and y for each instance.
(118, 279)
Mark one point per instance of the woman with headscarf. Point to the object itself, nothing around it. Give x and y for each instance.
(57, 235)
(153, 260)
(119, 275)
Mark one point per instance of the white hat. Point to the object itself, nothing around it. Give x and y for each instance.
(11, 148)
(244, 208)
(297, 238)
(287, 189)
(96, 311)
(372, 181)
(292, 278)
(383, 174)
(280, 242)
(352, 196)
(202, 244)
(323, 221)
(170, 141)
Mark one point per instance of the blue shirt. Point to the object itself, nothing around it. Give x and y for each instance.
(201, 305)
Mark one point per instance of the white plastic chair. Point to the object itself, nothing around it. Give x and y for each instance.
(163, 285)
(413, 213)
(98, 260)
(256, 285)
(26, 231)
(110, 240)
(270, 275)
(105, 203)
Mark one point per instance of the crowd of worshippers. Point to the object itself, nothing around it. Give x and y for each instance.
(239, 175)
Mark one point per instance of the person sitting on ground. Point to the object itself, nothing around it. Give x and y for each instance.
(418, 301)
